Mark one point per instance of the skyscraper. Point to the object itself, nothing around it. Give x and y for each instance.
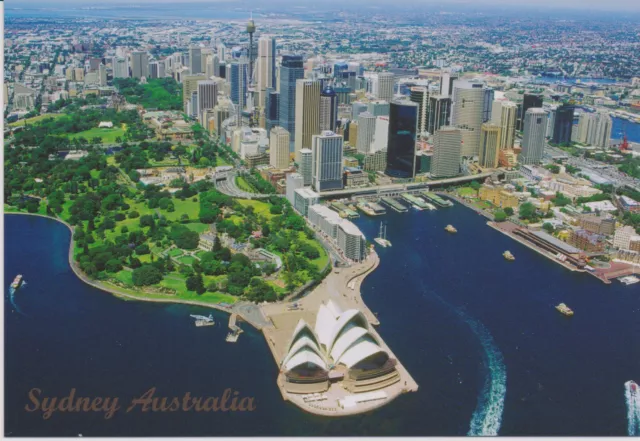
(467, 111)
(279, 148)
(439, 114)
(239, 79)
(327, 149)
(602, 136)
(378, 108)
(446, 83)
(366, 130)
(271, 109)
(153, 69)
(489, 95)
(533, 139)
(401, 144)
(139, 64)
(190, 85)
(504, 114)
(291, 70)
(529, 101)
(447, 152)
(102, 75)
(305, 164)
(266, 75)
(195, 60)
(489, 145)
(307, 120)
(207, 95)
(120, 68)
(563, 124)
(385, 86)
(420, 96)
(328, 109)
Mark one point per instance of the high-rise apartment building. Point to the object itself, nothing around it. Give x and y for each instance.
(139, 64)
(489, 145)
(291, 70)
(327, 151)
(447, 153)
(307, 120)
(401, 144)
(266, 66)
(533, 139)
(279, 148)
(467, 113)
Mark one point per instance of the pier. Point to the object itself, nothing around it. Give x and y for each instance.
(394, 204)
(232, 336)
(416, 201)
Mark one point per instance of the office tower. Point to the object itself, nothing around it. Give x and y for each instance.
(153, 69)
(533, 139)
(489, 145)
(328, 109)
(385, 86)
(94, 63)
(207, 63)
(291, 70)
(420, 96)
(446, 83)
(439, 113)
(307, 121)
(563, 124)
(305, 164)
(271, 109)
(139, 64)
(239, 79)
(489, 95)
(216, 66)
(207, 95)
(586, 127)
(366, 130)
(378, 108)
(102, 75)
(356, 109)
(120, 68)
(161, 69)
(78, 74)
(294, 182)
(327, 161)
(467, 108)
(401, 144)
(504, 114)
(381, 135)
(447, 153)
(352, 133)
(266, 75)
(279, 148)
(190, 85)
(195, 60)
(191, 107)
(602, 135)
(529, 101)
(222, 52)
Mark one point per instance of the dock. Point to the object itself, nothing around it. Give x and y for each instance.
(417, 202)
(232, 336)
(397, 206)
(370, 208)
(436, 199)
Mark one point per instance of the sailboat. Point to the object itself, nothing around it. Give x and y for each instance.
(382, 238)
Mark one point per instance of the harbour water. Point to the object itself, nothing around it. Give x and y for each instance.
(632, 130)
(479, 334)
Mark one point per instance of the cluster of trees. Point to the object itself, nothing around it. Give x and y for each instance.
(158, 93)
(561, 200)
(631, 167)
(553, 168)
(528, 212)
(261, 185)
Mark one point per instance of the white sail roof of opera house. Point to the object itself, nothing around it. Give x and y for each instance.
(339, 337)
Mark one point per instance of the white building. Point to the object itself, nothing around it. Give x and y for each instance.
(294, 182)
(623, 236)
(345, 233)
(326, 166)
(303, 198)
(533, 140)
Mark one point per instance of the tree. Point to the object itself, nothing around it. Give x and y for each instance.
(195, 283)
(548, 227)
(475, 185)
(528, 211)
(500, 216)
(146, 275)
(508, 211)
(113, 266)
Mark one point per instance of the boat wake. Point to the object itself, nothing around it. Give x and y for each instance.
(487, 417)
(12, 299)
(633, 409)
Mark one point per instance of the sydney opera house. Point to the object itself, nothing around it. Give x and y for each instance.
(340, 348)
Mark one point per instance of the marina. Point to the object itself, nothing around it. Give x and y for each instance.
(417, 202)
(436, 199)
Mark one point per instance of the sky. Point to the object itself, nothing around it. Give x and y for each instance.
(611, 5)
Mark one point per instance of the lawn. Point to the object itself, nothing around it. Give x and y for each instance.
(125, 277)
(467, 191)
(197, 227)
(187, 260)
(108, 135)
(259, 208)
(321, 261)
(192, 209)
(35, 119)
(244, 185)
(175, 252)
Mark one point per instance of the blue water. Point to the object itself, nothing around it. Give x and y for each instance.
(479, 335)
(556, 79)
(630, 128)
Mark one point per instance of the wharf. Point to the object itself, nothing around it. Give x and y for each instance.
(394, 204)
(416, 201)
(436, 199)
(232, 337)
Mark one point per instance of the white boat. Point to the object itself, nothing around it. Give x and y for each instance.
(382, 238)
(629, 280)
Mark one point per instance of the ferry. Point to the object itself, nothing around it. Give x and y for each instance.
(633, 387)
(507, 255)
(16, 282)
(451, 229)
(564, 309)
(629, 280)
